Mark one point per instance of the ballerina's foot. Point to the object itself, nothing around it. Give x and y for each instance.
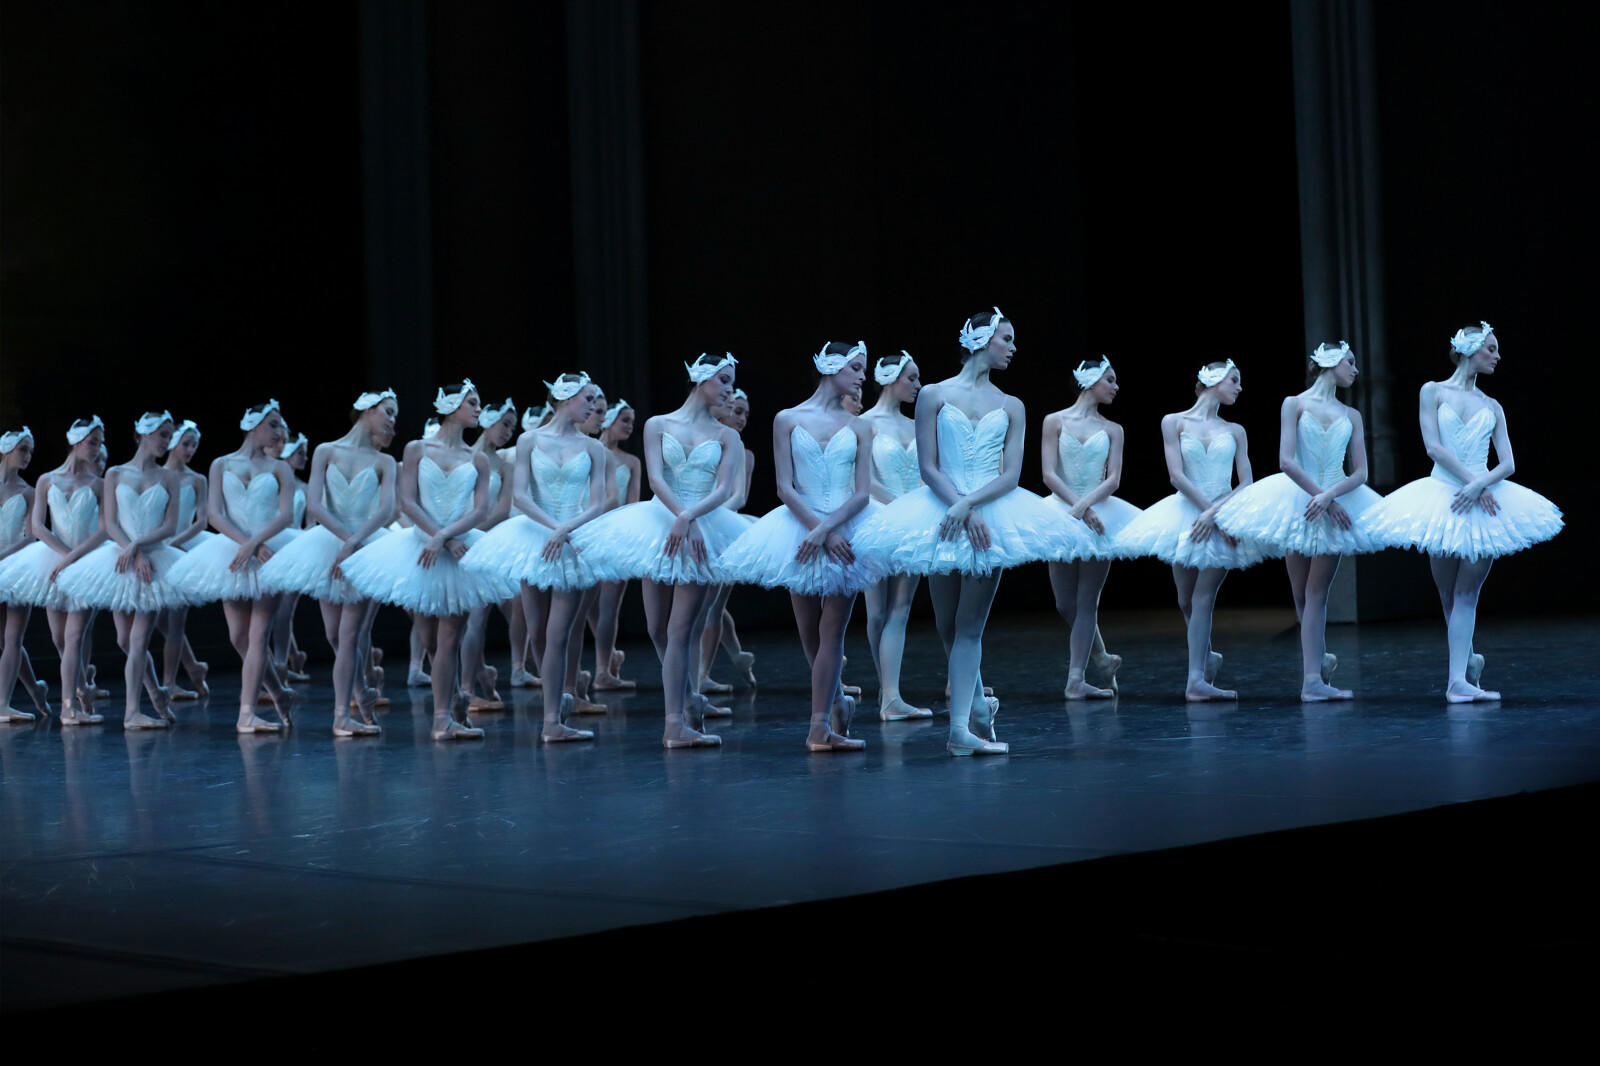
(76, 714)
(680, 735)
(559, 733)
(375, 676)
(580, 705)
(1104, 668)
(717, 687)
(582, 682)
(842, 714)
(1316, 690)
(183, 695)
(1082, 690)
(447, 728)
(376, 655)
(982, 725)
(485, 703)
(102, 693)
(617, 659)
(351, 727)
(1213, 666)
(41, 698)
(1474, 669)
(416, 677)
(520, 678)
(850, 690)
(605, 682)
(296, 675)
(143, 721)
(249, 723)
(1330, 663)
(966, 742)
(1465, 692)
(703, 708)
(826, 740)
(197, 678)
(1204, 691)
(898, 710)
(9, 714)
(745, 663)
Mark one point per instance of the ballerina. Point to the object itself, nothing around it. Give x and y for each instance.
(192, 532)
(804, 545)
(1464, 515)
(250, 503)
(16, 499)
(128, 575)
(1181, 529)
(497, 425)
(1081, 457)
(579, 680)
(287, 658)
(65, 523)
(672, 542)
(352, 499)
(894, 473)
(615, 427)
(559, 485)
(721, 630)
(444, 490)
(1312, 513)
(969, 521)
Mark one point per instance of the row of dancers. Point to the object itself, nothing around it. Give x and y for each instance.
(870, 502)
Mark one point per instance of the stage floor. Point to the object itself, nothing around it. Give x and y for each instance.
(140, 862)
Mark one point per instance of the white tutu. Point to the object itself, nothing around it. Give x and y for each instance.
(195, 541)
(513, 552)
(305, 566)
(630, 543)
(1271, 513)
(93, 581)
(1418, 516)
(203, 575)
(765, 555)
(387, 570)
(1114, 513)
(903, 537)
(25, 578)
(1162, 531)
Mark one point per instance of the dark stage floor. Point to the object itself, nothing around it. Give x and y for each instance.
(141, 862)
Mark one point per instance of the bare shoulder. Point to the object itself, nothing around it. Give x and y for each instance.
(1291, 405)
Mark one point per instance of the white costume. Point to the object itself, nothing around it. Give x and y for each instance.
(203, 572)
(305, 566)
(93, 581)
(25, 574)
(1083, 468)
(512, 552)
(1163, 529)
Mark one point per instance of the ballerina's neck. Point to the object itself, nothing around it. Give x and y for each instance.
(887, 404)
(1085, 406)
(1464, 377)
(1323, 388)
(974, 372)
(1206, 406)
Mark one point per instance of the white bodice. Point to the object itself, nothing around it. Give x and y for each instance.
(352, 501)
(73, 519)
(12, 514)
(690, 475)
(1209, 465)
(140, 512)
(971, 453)
(560, 489)
(1469, 439)
(824, 475)
(1083, 463)
(251, 507)
(495, 483)
(622, 476)
(895, 467)
(299, 508)
(446, 497)
(186, 505)
(1320, 450)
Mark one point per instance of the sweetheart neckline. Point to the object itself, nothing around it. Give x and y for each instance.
(823, 445)
(1463, 421)
(446, 474)
(71, 497)
(1209, 441)
(969, 419)
(562, 463)
(243, 484)
(1325, 427)
(1085, 441)
(689, 451)
(891, 440)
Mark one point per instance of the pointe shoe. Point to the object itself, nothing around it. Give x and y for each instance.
(297, 661)
(687, 737)
(967, 742)
(162, 699)
(1081, 690)
(296, 675)
(352, 727)
(136, 721)
(253, 724)
(1213, 666)
(744, 663)
(1474, 669)
(617, 659)
(82, 710)
(581, 684)
(559, 732)
(1104, 670)
(1205, 692)
(520, 678)
(605, 682)
(833, 742)
(898, 710)
(41, 699)
(715, 687)
(11, 714)
(704, 708)
(981, 723)
(583, 705)
(183, 695)
(1315, 690)
(447, 728)
(1457, 693)
(842, 714)
(489, 700)
(197, 678)
(1330, 663)
(374, 676)
(416, 677)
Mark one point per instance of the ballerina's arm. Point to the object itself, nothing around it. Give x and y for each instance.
(25, 535)
(599, 501)
(47, 535)
(315, 489)
(522, 481)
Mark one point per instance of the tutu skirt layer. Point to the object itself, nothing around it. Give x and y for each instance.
(1162, 531)
(1271, 513)
(203, 575)
(195, 541)
(1114, 513)
(903, 537)
(387, 570)
(93, 581)
(305, 566)
(1418, 516)
(631, 541)
(765, 555)
(513, 552)
(25, 578)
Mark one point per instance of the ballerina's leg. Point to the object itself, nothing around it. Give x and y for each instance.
(685, 611)
(1310, 577)
(134, 631)
(250, 628)
(347, 658)
(11, 658)
(1197, 598)
(608, 615)
(565, 618)
(1459, 582)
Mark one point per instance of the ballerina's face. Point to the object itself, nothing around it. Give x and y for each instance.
(270, 434)
(596, 414)
(622, 425)
(1105, 390)
(907, 385)
(717, 390)
(1344, 374)
(380, 419)
(1486, 358)
(1229, 388)
(296, 459)
(735, 416)
(20, 456)
(500, 432)
(467, 413)
(159, 440)
(186, 446)
(1002, 347)
(848, 382)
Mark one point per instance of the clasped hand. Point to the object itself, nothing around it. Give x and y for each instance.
(1087, 516)
(559, 539)
(686, 533)
(133, 558)
(960, 517)
(831, 542)
(1205, 524)
(246, 552)
(1325, 503)
(436, 544)
(1470, 495)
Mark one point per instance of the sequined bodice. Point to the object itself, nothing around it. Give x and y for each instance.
(352, 501)
(692, 474)
(1469, 439)
(251, 507)
(12, 514)
(560, 489)
(140, 512)
(824, 475)
(446, 497)
(1320, 449)
(1209, 465)
(623, 474)
(894, 466)
(186, 504)
(1083, 463)
(971, 453)
(74, 518)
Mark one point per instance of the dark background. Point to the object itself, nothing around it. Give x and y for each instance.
(181, 215)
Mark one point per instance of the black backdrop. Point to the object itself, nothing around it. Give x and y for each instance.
(181, 215)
